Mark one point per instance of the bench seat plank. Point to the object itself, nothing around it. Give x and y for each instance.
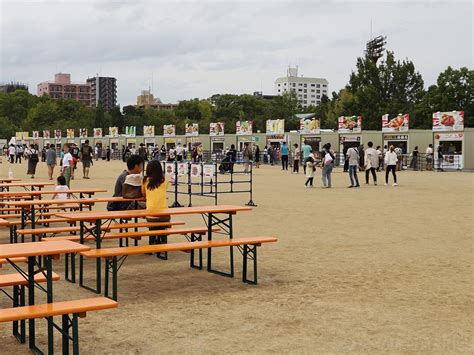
(14, 260)
(18, 280)
(56, 309)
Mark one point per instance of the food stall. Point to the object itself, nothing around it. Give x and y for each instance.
(191, 133)
(310, 132)
(349, 129)
(451, 143)
(216, 135)
(244, 133)
(395, 130)
(169, 135)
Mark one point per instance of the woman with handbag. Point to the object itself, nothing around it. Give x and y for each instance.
(33, 160)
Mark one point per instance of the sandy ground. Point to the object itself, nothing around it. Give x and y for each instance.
(377, 269)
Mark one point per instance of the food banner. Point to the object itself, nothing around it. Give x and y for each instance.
(46, 135)
(448, 136)
(97, 132)
(36, 134)
(169, 130)
(208, 170)
(182, 169)
(216, 129)
(395, 123)
(244, 128)
(196, 170)
(191, 130)
(148, 131)
(83, 132)
(448, 121)
(22, 135)
(309, 126)
(275, 126)
(130, 131)
(169, 169)
(70, 133)
(58, 134)
(349, 124)
(113, 132)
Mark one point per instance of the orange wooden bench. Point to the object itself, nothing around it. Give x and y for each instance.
(114, 257)
(14, 260)
(76, 308)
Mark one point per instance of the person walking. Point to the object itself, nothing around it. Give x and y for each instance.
(352, 158)
(51, 161)
(179, 152)
(247, 156)
(296, 159)
(371, 159)
(439, 153)
(328, 164)
(284, 156)
(19, 154)
(380, 156)
(66, 166)
(257, 156)
(307, 150)
(391, 161)
(429, 157)
(310, 171)
(200, 153)
(86, 157)
(414, 159)
(33, 160)
(12, 153)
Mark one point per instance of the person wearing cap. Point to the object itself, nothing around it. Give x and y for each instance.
(310, 169)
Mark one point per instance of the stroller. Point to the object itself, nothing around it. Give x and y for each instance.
(226, 165)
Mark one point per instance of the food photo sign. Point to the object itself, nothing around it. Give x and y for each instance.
(448, 121)
(349, 124)
(395, 123)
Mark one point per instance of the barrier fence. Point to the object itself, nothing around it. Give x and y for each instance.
(209, 179)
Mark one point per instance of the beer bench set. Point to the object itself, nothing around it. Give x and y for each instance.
(70, 239)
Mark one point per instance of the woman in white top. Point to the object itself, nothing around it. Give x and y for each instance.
(391, 160)
(62, 189)
(66, 164)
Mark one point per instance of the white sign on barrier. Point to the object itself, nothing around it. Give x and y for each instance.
(182, 169)
(196, 170)
(208, 170)
(169, 169)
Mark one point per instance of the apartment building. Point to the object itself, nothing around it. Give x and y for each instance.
(103, 91)
(62, 87)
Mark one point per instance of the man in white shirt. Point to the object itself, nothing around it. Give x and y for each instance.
(12, 153)
(391, 160)
(67, 164)
(429, 157)
(352, 155)
(371, 160)
(179, 152)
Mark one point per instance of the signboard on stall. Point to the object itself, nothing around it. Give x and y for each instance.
(22, 135)
(395, 123)
(113, 132)
(350, 138)
(97, 132)
(148, 131)
(309, 126)
(36, 134)
(83, 132)
(244, 128)
(70, 133)
(395, 137)
(130, 131)
(58, 134)
(275, 126)
(216, 129)
(349, 124)
(169, 130)
(46, 134)
(448, 121)
(191, 130)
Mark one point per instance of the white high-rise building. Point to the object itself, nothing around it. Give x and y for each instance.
(308, 90)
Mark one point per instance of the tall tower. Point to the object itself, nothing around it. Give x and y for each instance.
(375, 48)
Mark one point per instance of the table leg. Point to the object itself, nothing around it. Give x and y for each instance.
(209, 237)
(49, 295)
(98, 224)
(31, 300)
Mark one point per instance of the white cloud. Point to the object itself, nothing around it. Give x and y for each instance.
(196, 49)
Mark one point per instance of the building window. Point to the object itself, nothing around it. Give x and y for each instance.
(312, 95)
(283, 84)
(294, 84)
(324, 91)
(313, 102)
(300, 90)
(324, 85)
(312, 85)
(318, 96)
(312, 90)
(300, 84)
(317, 85)
(318, 102)
(305, 102)
(305, 96)
(305, 85)
(305, 90)
(278, 90)
(318, 91)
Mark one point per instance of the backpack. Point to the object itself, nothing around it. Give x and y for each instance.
(132, 186)
(34, 156)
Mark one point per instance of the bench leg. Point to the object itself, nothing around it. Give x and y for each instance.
(195, 238)
(162, 239)
(249, 252)
(19, 301)
(111, 266)
(75, 335)
(65, 333)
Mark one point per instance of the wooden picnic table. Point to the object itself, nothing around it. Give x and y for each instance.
(32, 194)
(99, 218)
(25, 185)
(8, 180)
(32, 251)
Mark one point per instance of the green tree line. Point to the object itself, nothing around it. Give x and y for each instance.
(392, 86)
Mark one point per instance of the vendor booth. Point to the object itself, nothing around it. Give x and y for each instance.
(451, 143)
(397, 140)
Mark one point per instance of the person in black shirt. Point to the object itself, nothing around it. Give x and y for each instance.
(75, 157)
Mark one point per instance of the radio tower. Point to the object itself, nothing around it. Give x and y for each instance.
(375, 46)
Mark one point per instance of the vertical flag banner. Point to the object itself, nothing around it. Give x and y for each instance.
(130, 131)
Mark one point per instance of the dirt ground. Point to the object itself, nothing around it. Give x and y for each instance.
(377, 269)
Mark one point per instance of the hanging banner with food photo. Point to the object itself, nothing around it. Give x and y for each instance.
(130, 131)
(46, 134)
(113, 132)
(169, 169)
(349, 124)
(22, 135)
(244, 128)
(309, 126)
(216, 129)
(36, 134)
(148, 131)
(196, 170)
(208, 170)
(58, 134)
(70, 133)
(448, 121)
(275, 126)
(395, 123)
(83, 132)
(169, 130)
(97, 132)
(182, 169)
(191, 129)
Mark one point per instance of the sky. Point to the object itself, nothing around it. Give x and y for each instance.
(188, 49)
